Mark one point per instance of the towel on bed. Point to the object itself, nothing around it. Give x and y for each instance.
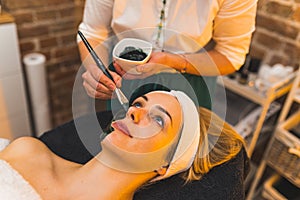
(12, 185)
(3, 143)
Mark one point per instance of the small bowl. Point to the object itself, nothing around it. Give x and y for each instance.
(126, 64)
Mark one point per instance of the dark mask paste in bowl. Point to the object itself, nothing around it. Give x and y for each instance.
(132, 53)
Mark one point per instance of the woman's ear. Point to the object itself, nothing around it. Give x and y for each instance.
(162, 171)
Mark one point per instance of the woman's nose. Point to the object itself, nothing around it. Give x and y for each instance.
(137, 114)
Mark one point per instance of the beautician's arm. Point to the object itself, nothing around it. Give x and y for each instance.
(211, 63)
(96, 27)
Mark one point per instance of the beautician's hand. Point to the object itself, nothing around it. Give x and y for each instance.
(158, 62)
(98, 85)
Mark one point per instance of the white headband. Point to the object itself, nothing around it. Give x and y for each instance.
(189, 140)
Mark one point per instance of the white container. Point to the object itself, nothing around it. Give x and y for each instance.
(14, 113)
(129, 65)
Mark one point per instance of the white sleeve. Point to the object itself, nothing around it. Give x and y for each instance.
(97, 16)
(233, 28)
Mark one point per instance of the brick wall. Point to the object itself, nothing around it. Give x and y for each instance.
(277, 35)
(49, 27)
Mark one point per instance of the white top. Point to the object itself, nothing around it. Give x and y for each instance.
(230, 23)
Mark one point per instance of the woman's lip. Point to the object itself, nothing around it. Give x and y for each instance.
(121, 127)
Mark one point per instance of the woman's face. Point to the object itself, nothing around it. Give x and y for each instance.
(152, 121)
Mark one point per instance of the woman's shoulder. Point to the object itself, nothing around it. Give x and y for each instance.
(26, 148)
(27, 145)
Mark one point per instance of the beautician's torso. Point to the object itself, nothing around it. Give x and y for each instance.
(201, 12)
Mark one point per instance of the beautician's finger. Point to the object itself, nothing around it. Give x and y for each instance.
(117, 78)
(89, 78)
(123, 73)
(126, 75)
(119, 69)
(129, 76)
(149, 69)
(94, 75)
(93, 86)
(107, 82)
(153, 68)
(96, 94)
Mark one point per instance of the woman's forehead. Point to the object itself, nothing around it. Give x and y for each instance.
(168, 102)
(162, 98)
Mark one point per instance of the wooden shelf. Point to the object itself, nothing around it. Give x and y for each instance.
(6, 18)
(288, 142)
(263, 97)
(297, 96)
(255, 95)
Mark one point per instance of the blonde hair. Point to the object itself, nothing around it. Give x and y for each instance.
(218, 144)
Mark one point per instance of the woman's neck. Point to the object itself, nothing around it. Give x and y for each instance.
(108, 183)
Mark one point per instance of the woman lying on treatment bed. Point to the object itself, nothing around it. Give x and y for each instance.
(162, 134)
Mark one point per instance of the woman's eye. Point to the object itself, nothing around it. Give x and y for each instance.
(159, 120)
(137, 104)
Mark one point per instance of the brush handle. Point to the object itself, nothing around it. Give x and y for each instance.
(96, 58)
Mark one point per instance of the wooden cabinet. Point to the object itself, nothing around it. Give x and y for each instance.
(262, 98)
(14, 115)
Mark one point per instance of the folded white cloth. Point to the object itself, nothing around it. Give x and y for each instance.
(12, 185)
(3, 143)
